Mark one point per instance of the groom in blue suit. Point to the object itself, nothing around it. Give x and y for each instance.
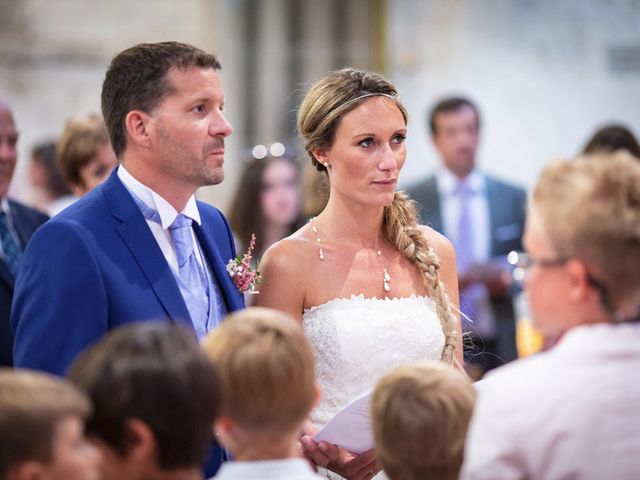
(139, 247)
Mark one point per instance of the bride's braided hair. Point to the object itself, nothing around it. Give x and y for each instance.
(400, 228)
(318, 118)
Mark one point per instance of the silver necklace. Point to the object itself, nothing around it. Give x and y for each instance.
(386, 278)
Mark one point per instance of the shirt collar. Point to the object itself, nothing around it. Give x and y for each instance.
(581, 336)
(4, 205)
(294, 467)
(150, 198)
(448, 182)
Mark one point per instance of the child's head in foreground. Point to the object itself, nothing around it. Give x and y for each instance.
(42, 429)
(420, 415)
(267, 373)
(155, 398)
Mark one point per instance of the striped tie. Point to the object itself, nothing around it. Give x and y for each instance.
(11, 252)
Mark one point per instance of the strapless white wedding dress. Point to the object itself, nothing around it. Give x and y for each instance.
(358, 340)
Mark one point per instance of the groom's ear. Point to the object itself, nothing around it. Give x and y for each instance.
(137, 126)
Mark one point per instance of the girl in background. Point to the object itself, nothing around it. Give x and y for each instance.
(267, 202)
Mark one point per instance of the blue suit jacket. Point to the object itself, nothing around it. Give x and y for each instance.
(507, 208)
(25, 221)
(96, 266)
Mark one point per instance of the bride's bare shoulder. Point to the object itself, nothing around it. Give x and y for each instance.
(290, 254)
(440, 244)
(284, 268)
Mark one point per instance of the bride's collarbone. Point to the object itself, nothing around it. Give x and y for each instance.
(343, 280)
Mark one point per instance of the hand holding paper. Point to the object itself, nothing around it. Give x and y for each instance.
(350, 428)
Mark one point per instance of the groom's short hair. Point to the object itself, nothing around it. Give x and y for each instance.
(154, 372)
(267, 371)
(420, 415)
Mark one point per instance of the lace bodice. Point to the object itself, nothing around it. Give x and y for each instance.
(357, 340)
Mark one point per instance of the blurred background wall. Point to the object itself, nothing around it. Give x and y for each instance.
(544, 73)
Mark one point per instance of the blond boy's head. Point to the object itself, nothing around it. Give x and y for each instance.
(420, 416)
(267, 372)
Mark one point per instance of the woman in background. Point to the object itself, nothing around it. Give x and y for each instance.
(85, 154)
(267, 202)
(610, 138)
(47, 178)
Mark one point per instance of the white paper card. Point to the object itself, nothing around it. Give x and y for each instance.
(350, 428)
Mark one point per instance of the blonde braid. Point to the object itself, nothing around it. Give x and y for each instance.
(400, 228)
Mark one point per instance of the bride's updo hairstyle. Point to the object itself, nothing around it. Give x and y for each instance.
(318, 119)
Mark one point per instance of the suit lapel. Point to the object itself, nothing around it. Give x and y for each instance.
(232, 296)
(23, 228)
(134, 231)
(495, 211)
(5, 275)
(431, 205)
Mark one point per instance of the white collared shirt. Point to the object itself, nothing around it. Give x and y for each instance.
(571, 412)
(167, 214)
(281, 469)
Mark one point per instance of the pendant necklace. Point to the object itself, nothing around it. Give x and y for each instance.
(386, 278)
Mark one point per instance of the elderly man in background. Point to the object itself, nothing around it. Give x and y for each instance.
(17, 224)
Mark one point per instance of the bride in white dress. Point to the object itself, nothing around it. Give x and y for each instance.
(372, 289)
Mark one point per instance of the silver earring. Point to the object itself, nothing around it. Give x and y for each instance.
(326, 165)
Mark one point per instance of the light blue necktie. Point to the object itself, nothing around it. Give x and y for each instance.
(191, 277)
(464, 243)
(10, 248)
(191, 273)
(464, 249)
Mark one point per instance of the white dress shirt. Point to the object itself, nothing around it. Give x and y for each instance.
(284, 469)
(571, 412)
(167, 214)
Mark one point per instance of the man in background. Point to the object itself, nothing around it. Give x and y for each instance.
(17, 224)
(484, 218)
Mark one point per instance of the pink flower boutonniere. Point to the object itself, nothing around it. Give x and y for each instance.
(241, 272)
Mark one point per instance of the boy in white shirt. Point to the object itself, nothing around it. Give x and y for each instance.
(267, 372)
(572, 411)
(420, 415)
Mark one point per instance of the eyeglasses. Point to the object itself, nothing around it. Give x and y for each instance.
(523, 262)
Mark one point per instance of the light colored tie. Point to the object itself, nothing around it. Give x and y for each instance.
(191, 277)
(10, 249)
(464, 243)
(464, 250)
(180, 231)
(191, 272)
